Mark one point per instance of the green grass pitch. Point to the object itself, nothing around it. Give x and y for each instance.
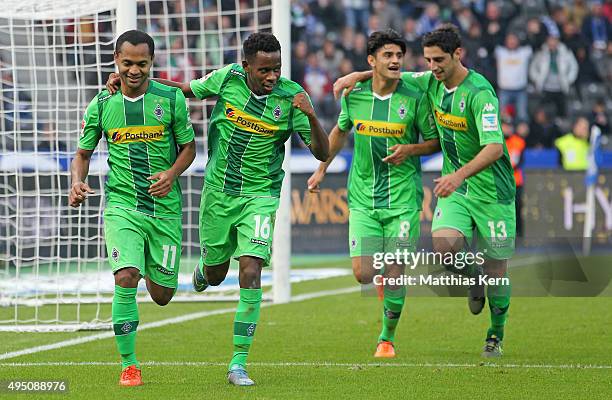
(322, 348)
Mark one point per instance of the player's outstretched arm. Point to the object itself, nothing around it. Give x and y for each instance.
(114, 83)
(165, 179)
(79, 168)
(347, 83)
(319, 144)
(184, 86)
(447, 184)
(403, 151)
(337, 140)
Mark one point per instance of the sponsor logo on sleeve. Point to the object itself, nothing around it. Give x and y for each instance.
(489, 123)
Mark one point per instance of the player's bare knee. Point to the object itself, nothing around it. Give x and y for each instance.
(162, 299)
(363, 270)
(127, 277)
(249, 276)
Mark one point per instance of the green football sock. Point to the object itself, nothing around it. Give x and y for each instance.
(499, 302)
(125, 322)
(392, 309)
(245, 322)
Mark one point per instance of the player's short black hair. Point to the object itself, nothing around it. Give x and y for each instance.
(135, 37)
(379, 39)
(260, 41)
(446, 37)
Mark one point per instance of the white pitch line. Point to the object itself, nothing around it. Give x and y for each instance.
(310, 364)
(164, 322)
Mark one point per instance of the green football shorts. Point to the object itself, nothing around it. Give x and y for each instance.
(495, 223)
(153, 245)
(235, 226)
(383, 230)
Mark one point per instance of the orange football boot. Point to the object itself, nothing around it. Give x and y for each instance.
(130, 376)
(385, 350)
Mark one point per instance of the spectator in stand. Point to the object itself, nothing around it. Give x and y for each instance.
(389, 15)
(463, 18)
(298, 21)
(358, 55)
(587, 71)
(412, 38)
(347, 39)
(512, 69)
(299, 61)
(606, 65)
(317, 82)
(577, 12)
(572, 37)
(574, 146)
(559, 16)
(429, 20)
(553, 71)
(493, 27)
(542, 132)
(357, 14)
(330, 57)
(48, 139)
(516, 146)
(476, 55)
(607, 10)
(14, 99)
(373, 24)
(600, 117)
(180, 66)
(596, 28)
(327, 13)
(346, 67)
(522, 129)
(536, 34)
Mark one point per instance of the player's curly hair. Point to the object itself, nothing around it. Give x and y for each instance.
(379, 39)
(446, 37)
(260, 41)
(135, 37)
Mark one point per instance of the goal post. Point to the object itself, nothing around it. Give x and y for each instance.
(55, 55)
(281, 255)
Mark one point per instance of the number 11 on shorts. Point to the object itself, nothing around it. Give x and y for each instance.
(167, 250)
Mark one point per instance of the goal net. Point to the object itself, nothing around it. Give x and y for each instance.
(55, 55)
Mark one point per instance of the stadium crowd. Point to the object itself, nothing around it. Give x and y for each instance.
(550, 61)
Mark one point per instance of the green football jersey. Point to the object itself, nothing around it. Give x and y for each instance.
(467, 118)
(247, 133)
(142, 136)
(381, 122)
